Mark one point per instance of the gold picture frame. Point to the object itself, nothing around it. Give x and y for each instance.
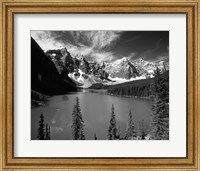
(11, 7)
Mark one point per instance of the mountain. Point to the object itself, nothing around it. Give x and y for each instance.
(147, 68)
(84, 66)
(63, 61)
(82, 72)
(85, 73)
(45, 77)
(122, 68)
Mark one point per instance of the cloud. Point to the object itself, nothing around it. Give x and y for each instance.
(45, 40)
(103, 56)
(96, 39)
(131, 55)
(105, 45)
(102, 39)
(161, 58)
(88, 44)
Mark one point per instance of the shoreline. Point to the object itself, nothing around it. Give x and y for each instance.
(110, 94)
(128, 96)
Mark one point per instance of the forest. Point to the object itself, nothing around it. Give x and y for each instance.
(139, 88)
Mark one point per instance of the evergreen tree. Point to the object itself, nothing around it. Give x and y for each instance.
(142, 131)
(118, 133)
(113, 131)
(130, 132)
(77, 122)
(139, 133)
(95, 136)
(159, 128)
(47, 132)
(41, 133)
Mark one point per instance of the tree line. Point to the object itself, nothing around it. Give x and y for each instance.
(139, 88)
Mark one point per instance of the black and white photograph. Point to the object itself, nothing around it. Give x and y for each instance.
(99, 85)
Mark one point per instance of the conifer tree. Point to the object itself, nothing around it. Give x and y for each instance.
(47, 132)
(95, 136)
(41, 133)
(118, 133)
(77, 122)
(130, 132)
(159, 128)
(143, 133)
(113, 131)
(139, 131)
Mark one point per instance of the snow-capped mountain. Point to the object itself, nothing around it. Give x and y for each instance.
(122, 68)
(151, 65)
(85, 80)
(85, 73)
(147, 68)
(82, 72)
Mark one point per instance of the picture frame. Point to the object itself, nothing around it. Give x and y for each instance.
(11, 7)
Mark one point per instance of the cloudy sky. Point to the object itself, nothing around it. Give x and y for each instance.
(108, 45)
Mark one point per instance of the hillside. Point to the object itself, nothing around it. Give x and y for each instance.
(45, 78)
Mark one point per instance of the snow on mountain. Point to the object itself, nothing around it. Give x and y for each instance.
(118, 80)
(85, 73)
(85, 79)
(147, 68)
(122, 68)
(151, 65)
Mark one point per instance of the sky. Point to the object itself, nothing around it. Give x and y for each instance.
(108, 46)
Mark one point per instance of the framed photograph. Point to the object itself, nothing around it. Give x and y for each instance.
(99, 85)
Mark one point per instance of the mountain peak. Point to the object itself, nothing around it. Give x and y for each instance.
(125, 59)
(64, 51)
(141, 60)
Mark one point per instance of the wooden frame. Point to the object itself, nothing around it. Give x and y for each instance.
(11, 7)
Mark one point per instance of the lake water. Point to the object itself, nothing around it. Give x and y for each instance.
(96, 109)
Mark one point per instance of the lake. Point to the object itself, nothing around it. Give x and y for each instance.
(96, 110)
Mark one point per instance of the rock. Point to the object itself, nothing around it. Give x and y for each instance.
(45, 78)
(122, 68)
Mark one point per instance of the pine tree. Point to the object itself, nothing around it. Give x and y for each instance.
(142, 131)
(130, 132)
(139, 132)
(159, 128)
(78, 123)
(118, 133)
(41, 133)
(47, 132)
(95, 136)
(113, 131)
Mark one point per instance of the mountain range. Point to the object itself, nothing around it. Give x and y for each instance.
(78, 72)
(85, 73)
